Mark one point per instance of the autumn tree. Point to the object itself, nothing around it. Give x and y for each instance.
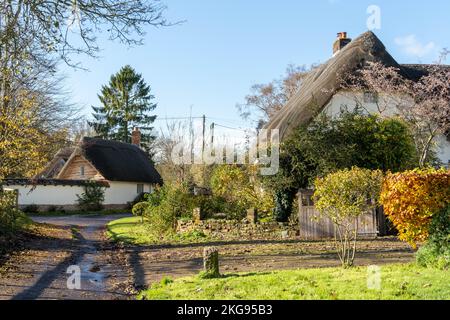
(23, 145)
(35, 36)
(126, 103)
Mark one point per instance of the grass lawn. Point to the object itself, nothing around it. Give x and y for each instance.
(398, 282)
(131, 230)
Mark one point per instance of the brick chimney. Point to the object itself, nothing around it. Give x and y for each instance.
(136, 137)
(340, 42)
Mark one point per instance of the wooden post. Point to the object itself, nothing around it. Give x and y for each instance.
(211, 262)
(252, 215)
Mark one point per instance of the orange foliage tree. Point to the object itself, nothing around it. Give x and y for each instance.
(411, 198)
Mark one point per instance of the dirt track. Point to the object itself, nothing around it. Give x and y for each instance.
(110, 271)
(150, 264)
(40, 271)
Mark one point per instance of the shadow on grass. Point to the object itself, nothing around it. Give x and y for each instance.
(243, 275)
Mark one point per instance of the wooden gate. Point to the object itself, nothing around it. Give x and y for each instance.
(314, 226)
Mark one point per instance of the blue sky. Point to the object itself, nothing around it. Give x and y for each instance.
(224, 47)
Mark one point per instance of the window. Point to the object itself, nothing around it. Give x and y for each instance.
(140, 188)
(370, 97)
(82, 171)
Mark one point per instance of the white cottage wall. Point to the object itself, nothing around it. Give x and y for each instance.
(116, 196)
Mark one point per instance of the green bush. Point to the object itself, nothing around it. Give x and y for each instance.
(211, 204)
(436, 251)
(242, 189)
(139, 209)
(166, 205)
(142, 197)
(92, 198)
(10, 217)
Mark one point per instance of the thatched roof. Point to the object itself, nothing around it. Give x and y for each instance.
(54, 167)
(322, 83)
(117, 161)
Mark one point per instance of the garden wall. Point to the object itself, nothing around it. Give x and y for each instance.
(240, 230)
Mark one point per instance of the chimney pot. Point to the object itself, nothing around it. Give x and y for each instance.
(340, 42)
(136, 137)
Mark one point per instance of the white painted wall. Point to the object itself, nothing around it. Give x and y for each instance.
(123, 192)
(48, 195)
(385, 107)
(119, 193)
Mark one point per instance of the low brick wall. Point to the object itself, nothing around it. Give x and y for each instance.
(240, 230)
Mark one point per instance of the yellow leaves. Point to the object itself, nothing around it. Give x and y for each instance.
(23, 146)
(411, 198)
(347, 193)
(239, 184)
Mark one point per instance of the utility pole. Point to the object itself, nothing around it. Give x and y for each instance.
(212, 133)
(203, 133)
(191, 133)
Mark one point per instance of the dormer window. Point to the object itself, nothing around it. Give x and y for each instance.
(370, 97)
(82, 171)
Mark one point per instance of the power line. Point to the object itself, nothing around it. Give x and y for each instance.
(204, 119)
(177, 118)
(230, 128)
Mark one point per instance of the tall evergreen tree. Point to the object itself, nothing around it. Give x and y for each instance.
(126, 104)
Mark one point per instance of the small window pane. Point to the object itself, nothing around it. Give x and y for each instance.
(82, 171)
(140, 188)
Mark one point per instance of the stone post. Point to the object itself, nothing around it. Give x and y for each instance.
(252, 215)
(211, 262)
(197, 215)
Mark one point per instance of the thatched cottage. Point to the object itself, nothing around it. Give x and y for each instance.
(123, 169)
(321, 90)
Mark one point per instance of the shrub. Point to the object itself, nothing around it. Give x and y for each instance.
(212, 204)
(139, 209)
(10, 217)
(239, 186)
(142, 197)
(167, 204)
(284, 201)
(92, 198)
(436, 252)
(411, 198)
(342, 197)
(161, 219)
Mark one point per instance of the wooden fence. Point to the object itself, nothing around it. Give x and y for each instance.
(313, 226)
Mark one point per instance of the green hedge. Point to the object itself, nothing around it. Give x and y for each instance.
(436, 251)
